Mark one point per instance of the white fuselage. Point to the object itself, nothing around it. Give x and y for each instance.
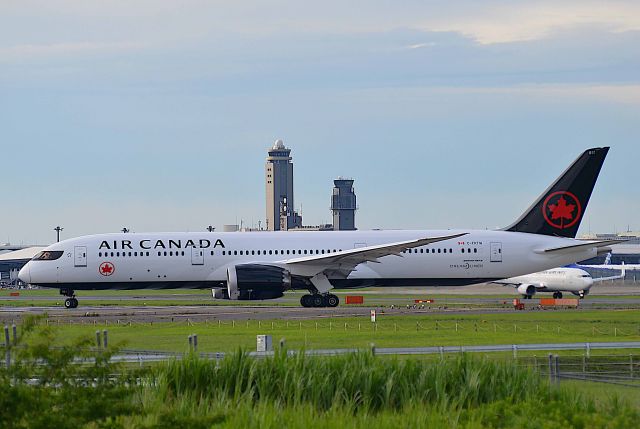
(200, 260)
(566, 279)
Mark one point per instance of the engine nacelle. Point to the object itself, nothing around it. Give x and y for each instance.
(254, 282)
(526, 290)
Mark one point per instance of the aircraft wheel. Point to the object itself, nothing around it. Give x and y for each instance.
(74, 303)
(68, 303)
(317, 300)
(332, 300)
(559, 295)
(305, 301)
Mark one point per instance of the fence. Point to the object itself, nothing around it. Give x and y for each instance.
(613, 369)
(621, 330)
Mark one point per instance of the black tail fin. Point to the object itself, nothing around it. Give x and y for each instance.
(559, 210)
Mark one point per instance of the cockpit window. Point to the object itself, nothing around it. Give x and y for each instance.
(48, 255)
(586, 276)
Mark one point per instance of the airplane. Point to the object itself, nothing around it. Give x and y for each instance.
(557, 280)
(608, 265)
(263, 265)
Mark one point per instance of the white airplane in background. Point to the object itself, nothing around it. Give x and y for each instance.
(263, 265)
(609, 266)
(557, 280)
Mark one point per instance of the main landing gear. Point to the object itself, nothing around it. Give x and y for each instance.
(317, 300)
(557, 295)
(71, 301)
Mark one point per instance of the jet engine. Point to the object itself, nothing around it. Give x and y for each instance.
(526, 290)
(254, 282)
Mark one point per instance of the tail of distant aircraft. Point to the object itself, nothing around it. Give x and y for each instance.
(559, 210)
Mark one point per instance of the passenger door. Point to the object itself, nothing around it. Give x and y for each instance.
(80, 256)
(197, 256)
(496, 252)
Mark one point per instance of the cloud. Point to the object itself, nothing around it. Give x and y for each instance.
(525, 21)
(30, 52)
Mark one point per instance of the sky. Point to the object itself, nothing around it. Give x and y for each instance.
(157, 115)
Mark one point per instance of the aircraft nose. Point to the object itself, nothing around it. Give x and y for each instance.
(25, 273)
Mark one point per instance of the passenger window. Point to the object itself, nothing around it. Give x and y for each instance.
(100, 254)
(438, 250)
(305, 251)
(475, 250)
(463, 250)
(270, 252)
(235, 252)
(165, 253)
(253, 252)
(183, 253)
(147, 253)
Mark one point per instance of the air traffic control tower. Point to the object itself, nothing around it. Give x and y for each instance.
(279, 180)
(343, 205)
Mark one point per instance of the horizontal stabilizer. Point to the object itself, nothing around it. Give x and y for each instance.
(573, 247)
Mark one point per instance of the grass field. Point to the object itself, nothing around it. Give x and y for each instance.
(46, 388)
(389, 331)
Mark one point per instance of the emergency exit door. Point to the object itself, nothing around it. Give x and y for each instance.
(197, 256)
(80, 256)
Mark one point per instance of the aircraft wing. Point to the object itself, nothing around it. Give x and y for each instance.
(622, 275)
(345, 261)
(505, 282)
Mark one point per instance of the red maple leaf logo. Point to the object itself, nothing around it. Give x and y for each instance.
(564, 212)
(106, 268)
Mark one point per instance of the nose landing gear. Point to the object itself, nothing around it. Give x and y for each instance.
(71, 301)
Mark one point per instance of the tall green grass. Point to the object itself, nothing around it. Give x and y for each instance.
(359, 381)
(46, 387)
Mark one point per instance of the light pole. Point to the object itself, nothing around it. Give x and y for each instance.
(57, 229)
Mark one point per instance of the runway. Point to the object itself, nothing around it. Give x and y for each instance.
(480, 299)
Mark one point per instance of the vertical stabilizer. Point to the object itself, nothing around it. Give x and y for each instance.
(560, 209)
